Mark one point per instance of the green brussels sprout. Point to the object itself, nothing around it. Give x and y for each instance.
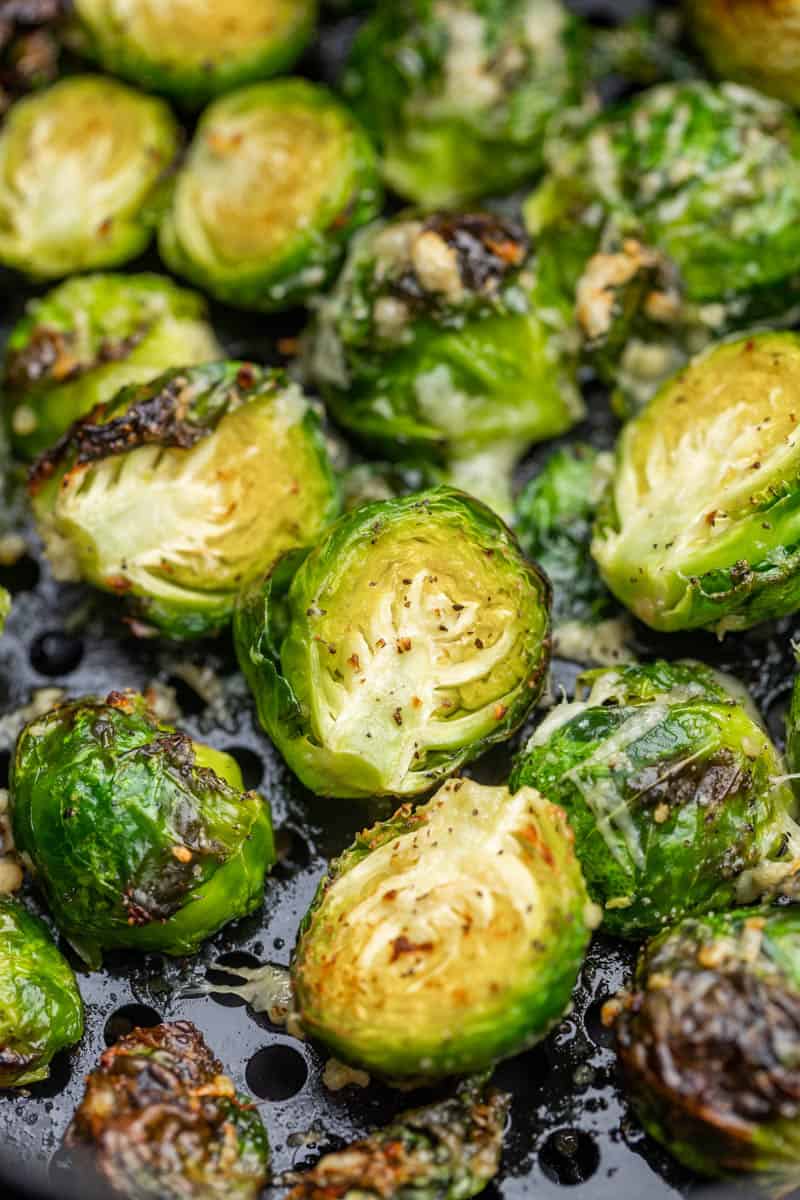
(447, 937)
(41, 1011)
(409, 640)
(676, 219)
(82, 176)
(192, 52)
(160, 1121)
(270, 247)
(138, 836)
(448, 1150)
(443, 336)
(752, 42)
(698, 527)
(179, 490)
(88, 337)
(459, 94)
(708, 1043)
(676, 795)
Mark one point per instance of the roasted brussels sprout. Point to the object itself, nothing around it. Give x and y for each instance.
(179, 490)
(160, 1121)
(698, 527)
(447, 937)
(459, 94)
(675, 793)
(83, 341)
(753, 42)
(708, 1042)
(445, 1151)
(412, 637)
(138, 836)
(41, 1010)
(443, 336)
(192, 52)
(270, 245)
(82, 176)
(677, 220)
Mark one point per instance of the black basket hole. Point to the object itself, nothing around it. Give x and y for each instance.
(276, 1073)
(57, 1080)
(126, 1019)
(21, 576)
(56, 653)
(569, 1157)
(190, 702)
(5, 767)
(599, 1034)
(250, 764)
(217, 974)
(292, 850)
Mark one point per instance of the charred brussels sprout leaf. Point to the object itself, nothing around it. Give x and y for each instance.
(82, 167)
(193, 52)
(459, 94)
(445, 1151)
(447, 937)
(699, 527)
(752, 42)
(179, 490)
(40, 1006)
(83, 341)
(674, 791)
(160, 1121)
(138, 836)
(410, 639)
(708, 1041)
(276, 180)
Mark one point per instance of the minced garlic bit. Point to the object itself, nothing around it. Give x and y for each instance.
(338, 1075)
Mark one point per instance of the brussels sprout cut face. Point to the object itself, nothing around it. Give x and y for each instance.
(41, 1010)
(708, 1042)
(445, 938)
(276, 180)
(700, 526)
(673, 790)
(751, 41)
(138, 836)
(414, 636)
(160, 1120)
(82, 166)
(191, 51)
(183, 488)
(89, 337)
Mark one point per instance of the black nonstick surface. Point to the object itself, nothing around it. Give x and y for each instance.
(571, 1133)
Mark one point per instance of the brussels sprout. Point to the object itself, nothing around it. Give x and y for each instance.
(698, 528)
(447, 937)
(192, 52)
(41, 1010)
(677, 220)
(160, 1121)
(445, 1151)
(82, 176)
(78, 345)
(459, 93)
(138, 836)
(270, 245)
(180, 489)
(29, 46)
(708, 1042)
(442, 335)
(412, 637)
(675, 793)
(747, 40)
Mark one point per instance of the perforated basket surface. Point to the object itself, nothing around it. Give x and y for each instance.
(570, 1134)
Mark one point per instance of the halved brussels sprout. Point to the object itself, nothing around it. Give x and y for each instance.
(699, 527)
(412, 637)
(751, 41)
(442, 335)
(41, 1010)
(83, 341)
(138, 836)
(277, 178)
(193, 52)
(675, 793)
(82, 176)
(447, 937)
(459, 93)
(180, 490)
(448, 1150)
(160, 1121)
(708, 1042)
